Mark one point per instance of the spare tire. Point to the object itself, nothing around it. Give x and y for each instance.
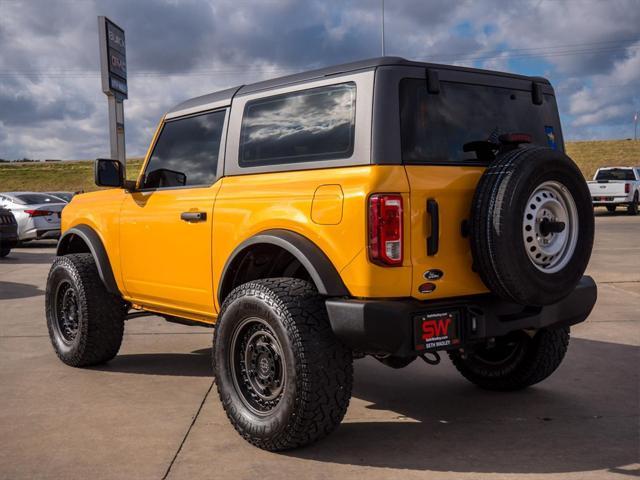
(531, 226)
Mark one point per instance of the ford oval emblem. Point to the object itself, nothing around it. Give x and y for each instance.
(433, 274)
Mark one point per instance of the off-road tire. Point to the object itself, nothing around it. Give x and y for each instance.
(632, 208)
(538, 358)
(496, 226)
(611, 208)
(100, 313)
(319, 368)
(4, 252)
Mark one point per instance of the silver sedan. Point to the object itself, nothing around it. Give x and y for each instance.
(37, 214)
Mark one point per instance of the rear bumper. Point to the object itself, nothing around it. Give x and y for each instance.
(387, 326)
(604, 201)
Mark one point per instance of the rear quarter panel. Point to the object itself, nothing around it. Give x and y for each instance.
(249, 204)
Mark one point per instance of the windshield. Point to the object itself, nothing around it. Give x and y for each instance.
(615, 174)
(35, 198)
(435, 127)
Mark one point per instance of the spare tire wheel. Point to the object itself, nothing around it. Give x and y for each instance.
(531, 226)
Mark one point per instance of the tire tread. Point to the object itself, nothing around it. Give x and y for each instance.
(324, 367)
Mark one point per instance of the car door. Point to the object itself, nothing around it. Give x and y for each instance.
(166, 224)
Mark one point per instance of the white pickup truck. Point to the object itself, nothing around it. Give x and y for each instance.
(616, 186)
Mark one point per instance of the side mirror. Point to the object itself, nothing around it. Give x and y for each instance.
(108, 173)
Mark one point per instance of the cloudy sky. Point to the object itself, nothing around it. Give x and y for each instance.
(52, 106)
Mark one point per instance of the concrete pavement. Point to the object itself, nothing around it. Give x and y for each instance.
(151, 413)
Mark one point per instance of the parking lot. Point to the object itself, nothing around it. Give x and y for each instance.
(151, 412)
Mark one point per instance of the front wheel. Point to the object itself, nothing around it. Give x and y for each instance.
(283, 378)
(515, 361)
(85, 321)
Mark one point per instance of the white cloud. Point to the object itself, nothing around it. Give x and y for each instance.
(51, 104)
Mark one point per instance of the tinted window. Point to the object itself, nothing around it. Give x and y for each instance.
(435, 127)
(311, 125)
(616, 174)
(186, 152)
(35, 198)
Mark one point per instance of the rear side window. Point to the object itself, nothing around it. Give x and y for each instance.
(616, 174)
(305, 126)
(186, 153)
(435, 127)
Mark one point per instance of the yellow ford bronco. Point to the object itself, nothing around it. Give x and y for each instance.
(386, 207)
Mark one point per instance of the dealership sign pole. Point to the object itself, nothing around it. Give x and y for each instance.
(113, 65)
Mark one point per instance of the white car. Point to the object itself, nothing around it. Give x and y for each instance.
(616, 186)
(37, 214)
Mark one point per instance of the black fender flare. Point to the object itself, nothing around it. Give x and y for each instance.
(97, 250)
(322, 272)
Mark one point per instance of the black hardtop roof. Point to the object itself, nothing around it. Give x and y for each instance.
(361, 65)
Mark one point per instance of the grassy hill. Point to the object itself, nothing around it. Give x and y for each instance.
(69, 176)
(78, 175)
(595, 154)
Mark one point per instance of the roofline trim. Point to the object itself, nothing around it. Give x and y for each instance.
(199, 109)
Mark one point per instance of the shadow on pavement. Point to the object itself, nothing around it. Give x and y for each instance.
(195, 364)
(12, 290)
(582, 418)
(22, 257)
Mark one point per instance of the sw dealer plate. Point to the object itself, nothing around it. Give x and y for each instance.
(436, 330)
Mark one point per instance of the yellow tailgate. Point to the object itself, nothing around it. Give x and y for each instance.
(452, 187)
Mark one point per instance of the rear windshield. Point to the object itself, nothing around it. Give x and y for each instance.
(435, 127)
(615, 174)
(35, 198)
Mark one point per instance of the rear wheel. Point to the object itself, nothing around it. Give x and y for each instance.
(85, 321)
(283, 378)
(632, 209)
(514, 361)
(611, 208)
(4, 251)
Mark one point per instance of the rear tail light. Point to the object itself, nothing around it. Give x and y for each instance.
(38, 213)
(627, 187)
(385, 229)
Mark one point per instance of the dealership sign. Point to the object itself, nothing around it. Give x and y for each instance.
(113, 59)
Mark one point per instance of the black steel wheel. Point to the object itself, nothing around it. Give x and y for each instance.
(283, 377)
(258, 365)
(66, 311)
